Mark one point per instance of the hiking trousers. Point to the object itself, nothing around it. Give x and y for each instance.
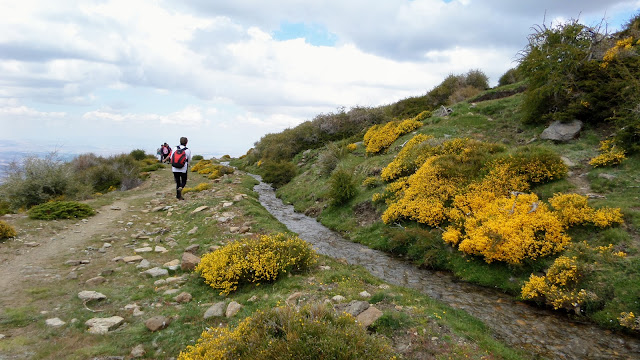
(181, 179)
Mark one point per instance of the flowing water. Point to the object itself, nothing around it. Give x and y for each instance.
(540, 331)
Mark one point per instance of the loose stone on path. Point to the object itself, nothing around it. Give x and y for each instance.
(90, 295)
(155, 272)
(102, 326)
(55, 322)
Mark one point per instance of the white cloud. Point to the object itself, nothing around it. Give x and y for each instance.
(220, 62)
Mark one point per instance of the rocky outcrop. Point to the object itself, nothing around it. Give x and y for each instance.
(559, 131)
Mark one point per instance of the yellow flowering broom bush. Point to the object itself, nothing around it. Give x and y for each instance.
(413, 154)
(380, 137)
(218, 171)
(255, 260)
(200, 165)
(509, 229)
(313, 332)
(6, 230)
(573, 209)
(609, 155)
(197, 188)
(559, 287)
(629, 320)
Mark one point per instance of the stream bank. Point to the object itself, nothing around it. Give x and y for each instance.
(540, 331)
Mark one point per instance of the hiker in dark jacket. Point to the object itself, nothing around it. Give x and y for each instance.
(166, 152)
(180, 173)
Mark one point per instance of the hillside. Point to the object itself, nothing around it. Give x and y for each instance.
(49, 263)
(478, 191)
(614, 280)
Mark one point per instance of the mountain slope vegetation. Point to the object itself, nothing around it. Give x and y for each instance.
(477, 192)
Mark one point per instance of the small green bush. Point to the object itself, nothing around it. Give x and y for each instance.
(152, 167)
(512, 76)
(197, 157)
(342, 187)
(60, 210)
(6, 230)
(138, 154)
(313, 332)
(278, 173)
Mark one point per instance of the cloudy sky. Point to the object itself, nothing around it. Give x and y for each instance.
(109, 76)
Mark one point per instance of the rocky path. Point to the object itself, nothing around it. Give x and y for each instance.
(41, 259)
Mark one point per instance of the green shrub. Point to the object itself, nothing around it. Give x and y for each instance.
(5, 207)
(255, 260)
(104, 177)
(512, 76)
(197, 157)
(152, 167)
(342, 187)
(138, 154)
(36, 180)
(278, 173)
(60, 210)
(6, 230)
(313, 332)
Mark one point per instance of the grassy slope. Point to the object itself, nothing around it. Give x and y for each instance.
(428, 327)
(615, 281)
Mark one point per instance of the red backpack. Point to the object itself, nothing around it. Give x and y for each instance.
(179, 158)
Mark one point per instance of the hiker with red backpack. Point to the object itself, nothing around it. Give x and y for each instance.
(180, 160)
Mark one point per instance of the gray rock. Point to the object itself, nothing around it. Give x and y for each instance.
(567, 162)
(90, 295)
(199, 209)
(144, 264)
(192, 249)
(183, 297)
(193, 231)
(160, 249)
(369, 316)
(95, 281)
(157, 323)
(189, 261)
(103, 325)
(356, 307)
(293, 298)
(138, 351)
(365, 294)
(132, 259)
(145, 249)
(232, 309)
(155, 272)
(338, 298)
(216, 309)
(559, 131)
(54, 322)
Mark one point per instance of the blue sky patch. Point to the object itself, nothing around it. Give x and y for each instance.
(314, 34)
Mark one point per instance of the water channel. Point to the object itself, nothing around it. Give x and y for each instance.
(550, 335)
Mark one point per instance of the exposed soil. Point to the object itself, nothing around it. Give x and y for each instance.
(37, 253)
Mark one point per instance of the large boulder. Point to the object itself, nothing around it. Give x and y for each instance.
(559, 131)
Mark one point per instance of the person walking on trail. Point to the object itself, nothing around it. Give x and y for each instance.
(166, 152)
(180, 160)
(159, 152)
